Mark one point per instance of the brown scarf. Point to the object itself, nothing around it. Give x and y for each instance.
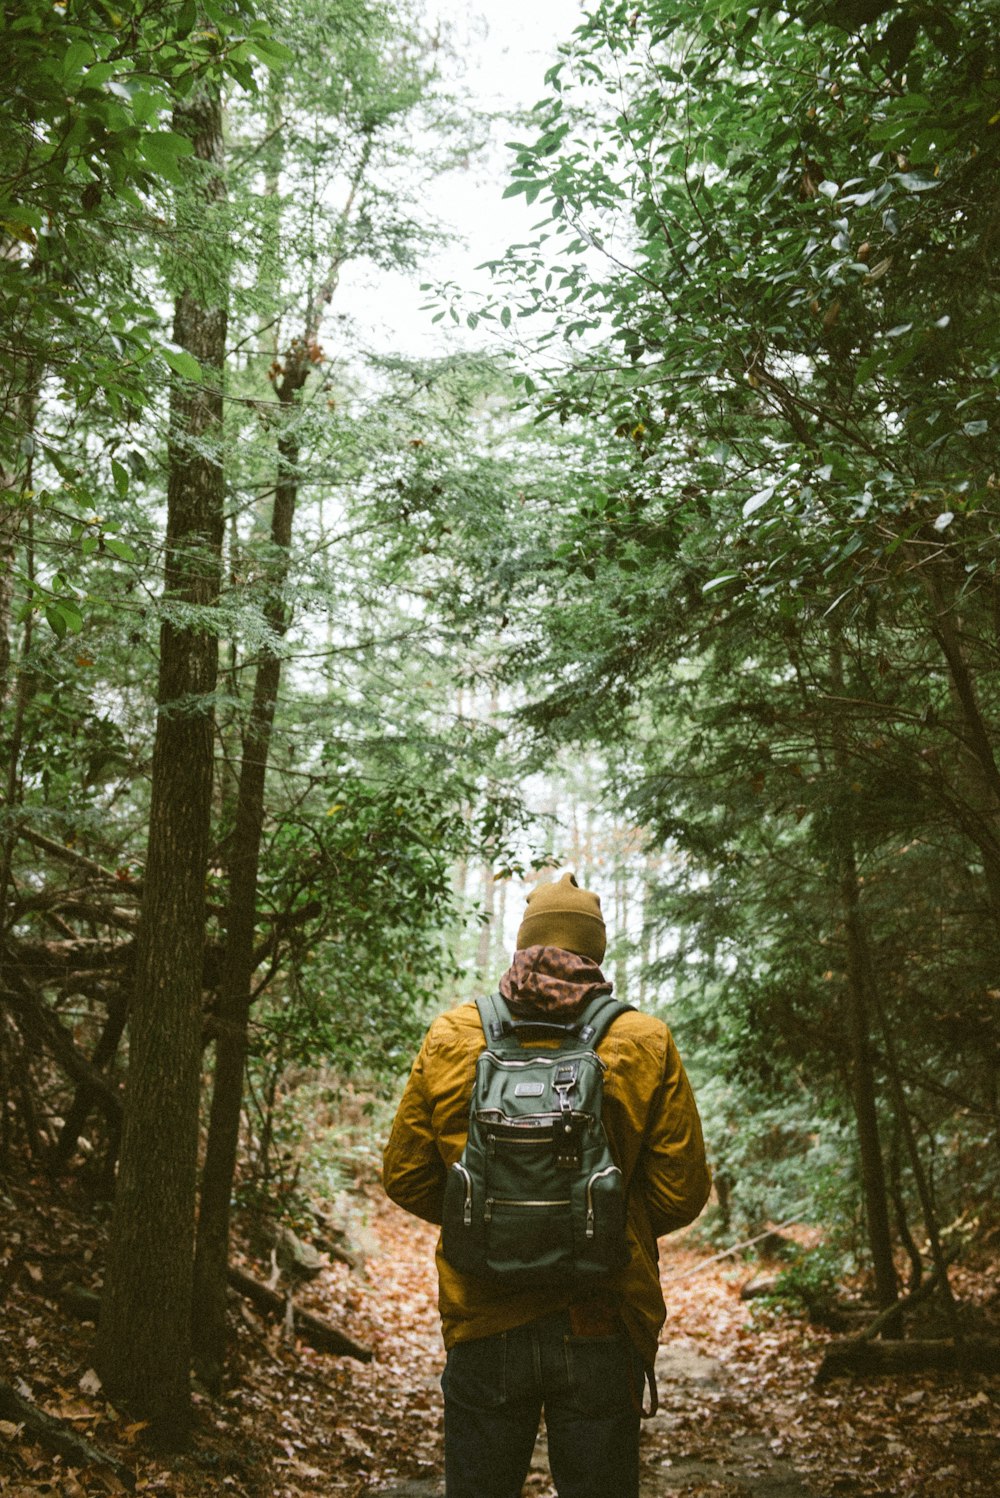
(550, 980)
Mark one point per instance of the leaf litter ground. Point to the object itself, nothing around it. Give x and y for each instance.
(739, 1413)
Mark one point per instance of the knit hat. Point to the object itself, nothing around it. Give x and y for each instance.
(564, 915)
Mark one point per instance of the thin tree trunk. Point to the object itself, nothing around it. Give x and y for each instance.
(916, 1164)
(858, 971)
(486, 928)
(231, 1045)
(9, 528)
(143, 1349)
(863, 1082)
(500, 927)
(621, 932)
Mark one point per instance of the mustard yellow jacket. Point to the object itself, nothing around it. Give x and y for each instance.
(655, 1136)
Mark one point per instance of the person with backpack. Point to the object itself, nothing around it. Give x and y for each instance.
(552, 1132)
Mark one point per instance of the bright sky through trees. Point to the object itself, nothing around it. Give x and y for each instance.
(498, 61)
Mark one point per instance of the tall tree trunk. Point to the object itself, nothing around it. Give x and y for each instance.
(231, 1044)
(916, 1164)
(143, 1350)
(485, 941)
(500, 957)
(231, 1047)
(621, 930)
(12, 482)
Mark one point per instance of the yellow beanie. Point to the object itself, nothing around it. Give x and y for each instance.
(564, 915)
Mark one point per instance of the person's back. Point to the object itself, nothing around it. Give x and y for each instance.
(582, 1355)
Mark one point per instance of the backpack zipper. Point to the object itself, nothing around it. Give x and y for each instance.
(467, 1210)
(528, 1122)
(607, 1171)
(506, 1201)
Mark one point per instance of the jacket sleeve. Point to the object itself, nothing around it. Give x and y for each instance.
(413, 1172)
(674, 1175)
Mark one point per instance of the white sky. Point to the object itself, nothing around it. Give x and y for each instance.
(499, 58)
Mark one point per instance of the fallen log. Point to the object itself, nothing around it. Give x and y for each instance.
(311, 1328)
(853, 1355)
(56, 1436)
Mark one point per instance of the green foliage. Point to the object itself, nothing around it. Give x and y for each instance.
(812, 1281)
(93, 165)
(371, 875)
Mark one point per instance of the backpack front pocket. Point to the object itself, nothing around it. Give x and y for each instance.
(529, 1240)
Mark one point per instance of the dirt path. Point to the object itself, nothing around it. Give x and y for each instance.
(706, 1437)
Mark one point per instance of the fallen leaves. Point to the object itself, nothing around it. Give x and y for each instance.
(738, 1407)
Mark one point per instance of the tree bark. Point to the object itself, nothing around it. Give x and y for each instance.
(143, 1349)
(863, 1083)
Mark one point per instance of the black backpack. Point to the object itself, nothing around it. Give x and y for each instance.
(536, 1198)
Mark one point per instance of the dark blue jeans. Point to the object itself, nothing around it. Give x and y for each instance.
(496, 1387)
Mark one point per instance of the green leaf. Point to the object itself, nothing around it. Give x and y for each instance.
(120, 476)
(146, 106)
(758, 500)
(63, 617)
(163, 150)
(183, 363)
(76, 57)
(120, 549)
(916, 181)
(268, 50)
(56, 622)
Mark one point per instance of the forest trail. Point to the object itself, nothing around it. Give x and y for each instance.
(711, 1433)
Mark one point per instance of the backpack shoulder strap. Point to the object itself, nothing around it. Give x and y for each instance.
(494, 1016)
(598, 1017)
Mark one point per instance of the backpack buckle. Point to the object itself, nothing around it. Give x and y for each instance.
(564, 1077)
